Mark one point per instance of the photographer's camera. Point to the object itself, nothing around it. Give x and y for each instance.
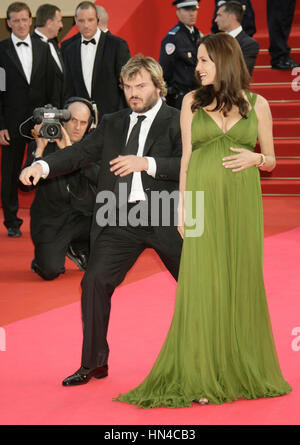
(51, 118)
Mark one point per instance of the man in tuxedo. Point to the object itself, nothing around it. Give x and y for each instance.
(229, 18)
(102, 25)
(139, 147)
(48, 25)
(93, 62)
(30, 83)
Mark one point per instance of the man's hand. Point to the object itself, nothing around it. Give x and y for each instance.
(64, 141)
(4, 137)
(124, 165)
(34, 171)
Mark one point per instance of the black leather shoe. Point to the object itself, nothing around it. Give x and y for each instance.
(292, 62)
(14, 232)
(80, 259)
(285, 64)
(83, 376)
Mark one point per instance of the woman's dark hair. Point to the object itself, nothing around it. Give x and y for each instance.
(232, 76)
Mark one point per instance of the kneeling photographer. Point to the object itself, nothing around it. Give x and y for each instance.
(61, 213)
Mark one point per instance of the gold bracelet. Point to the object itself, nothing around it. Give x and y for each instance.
(263, 160)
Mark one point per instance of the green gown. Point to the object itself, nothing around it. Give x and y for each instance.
(220, 344)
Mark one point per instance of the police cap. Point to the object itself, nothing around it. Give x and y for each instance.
(186, 4)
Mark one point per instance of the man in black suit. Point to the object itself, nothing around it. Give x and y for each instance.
(280, 16)
(93, 63)
(30, 83)
(61, 213)
(229, 18)
(248, 22)
(48, 24)
(149, 164)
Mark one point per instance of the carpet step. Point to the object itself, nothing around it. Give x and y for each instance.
(285, 147)
(285, 168)
(264, 43)
(286, 128)
(275, 91)
(282, 109)
(262, 74)
(264, 58)
(280, 186)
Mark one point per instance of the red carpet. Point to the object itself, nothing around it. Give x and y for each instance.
(43, 349)
(281, 88)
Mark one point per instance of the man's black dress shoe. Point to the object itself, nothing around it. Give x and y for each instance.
(14, 232)
(83, 376)
(285, 64)
(79, 258)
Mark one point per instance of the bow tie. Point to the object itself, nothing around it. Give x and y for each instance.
(86, 42)
(22, 43)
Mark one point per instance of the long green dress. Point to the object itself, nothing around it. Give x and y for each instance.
(220, 344)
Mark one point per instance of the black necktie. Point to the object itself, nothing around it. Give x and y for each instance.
(22, 43)
(86, 42)
(132, 145)
(131, 148)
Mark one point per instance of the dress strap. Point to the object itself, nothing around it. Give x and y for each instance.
(251, 97)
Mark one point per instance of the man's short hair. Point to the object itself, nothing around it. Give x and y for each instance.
(17, 7)
(136, 63)
(44, 13)
(235, 8)
(86, 5)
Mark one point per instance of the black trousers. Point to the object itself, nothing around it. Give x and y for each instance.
(12, 158)
(112, 255)
(280, 15)
(49, 256)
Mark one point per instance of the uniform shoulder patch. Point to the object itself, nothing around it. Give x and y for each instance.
(170, 48)
(174, 30)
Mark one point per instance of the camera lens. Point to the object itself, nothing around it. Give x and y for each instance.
(52, 131)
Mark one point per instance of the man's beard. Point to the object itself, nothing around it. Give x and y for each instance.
(143, 107)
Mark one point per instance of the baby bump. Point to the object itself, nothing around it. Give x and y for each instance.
(206, 169)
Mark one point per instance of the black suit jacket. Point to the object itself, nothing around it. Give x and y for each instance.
(59, 74)
(112, 53)
(108, 141)
(58, 200)
(19, 99)
(250, 48)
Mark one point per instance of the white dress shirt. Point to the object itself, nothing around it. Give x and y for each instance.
(52, 49)
(137, 192)
(88, 54)
(235, 31)
(24, 53)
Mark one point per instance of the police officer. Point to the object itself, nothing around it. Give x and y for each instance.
(178, 54)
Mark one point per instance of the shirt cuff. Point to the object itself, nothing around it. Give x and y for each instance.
(45, 167)
(151, 166)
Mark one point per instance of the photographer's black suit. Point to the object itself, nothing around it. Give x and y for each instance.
(112, 53)
(17, 103)
(60, 215)
(114, 250)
